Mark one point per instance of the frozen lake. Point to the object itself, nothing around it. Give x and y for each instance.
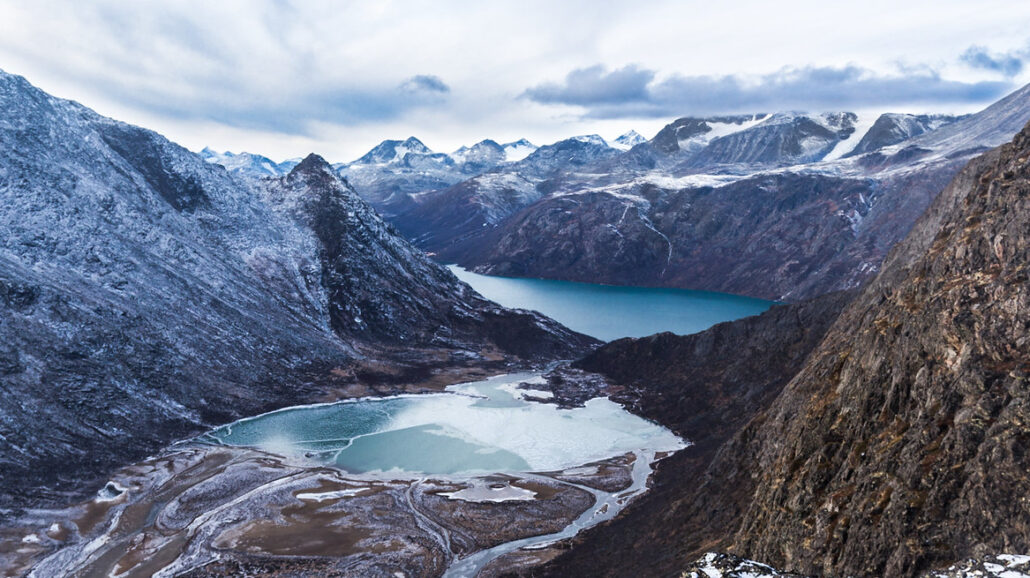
(474, 428)
(609, 312)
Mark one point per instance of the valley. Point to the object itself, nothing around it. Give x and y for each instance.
(761, 342)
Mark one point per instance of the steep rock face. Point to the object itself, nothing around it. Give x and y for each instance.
(892, 128)
(901, 445)
(704, 387)
(782, 139)
(743, 238)
(383, 291)
(146, 293)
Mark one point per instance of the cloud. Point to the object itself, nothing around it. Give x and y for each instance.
(1008, 64)
(290, 112)
(633, 91)
(425, 83)
(596, 86)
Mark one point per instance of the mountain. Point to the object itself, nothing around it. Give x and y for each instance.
(480, 157)
(394, 151)
(903, 434)
(389, 174)
(713, 204)
(248, 164)
(689, 134)
(705, 387)
(518, 150)
(385, 175)
(628, 141)
(780, 139)
(146, 295)
(441, 218)
(890, 129)
(898, 447)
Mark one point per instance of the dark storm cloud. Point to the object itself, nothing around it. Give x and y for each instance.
(632, 91)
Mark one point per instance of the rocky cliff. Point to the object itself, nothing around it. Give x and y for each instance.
(900, 445)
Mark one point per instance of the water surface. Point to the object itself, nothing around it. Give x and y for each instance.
(609, 312)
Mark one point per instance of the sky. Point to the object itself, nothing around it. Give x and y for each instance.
(287, 77)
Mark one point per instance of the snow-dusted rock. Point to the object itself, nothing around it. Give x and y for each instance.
(146, 293)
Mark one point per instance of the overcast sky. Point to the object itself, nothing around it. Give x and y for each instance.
(284, 78)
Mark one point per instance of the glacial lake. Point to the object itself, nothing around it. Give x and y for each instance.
(609, 312)
(479, 427)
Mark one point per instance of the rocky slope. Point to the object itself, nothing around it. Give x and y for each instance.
(705, 387)
(146, 294)
(899, 446)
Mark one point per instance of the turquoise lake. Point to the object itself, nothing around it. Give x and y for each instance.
(609, 312)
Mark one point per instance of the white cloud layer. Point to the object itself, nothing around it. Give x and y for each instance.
(283, 77)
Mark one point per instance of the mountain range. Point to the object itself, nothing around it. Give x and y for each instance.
(782, 206)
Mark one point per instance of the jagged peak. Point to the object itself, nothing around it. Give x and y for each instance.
(628, 140)
(487, 143)
(415, 145)
(313, 164)
(594, 139)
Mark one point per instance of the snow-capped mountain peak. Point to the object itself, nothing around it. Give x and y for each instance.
(591, 139)
(518, 150)
(391, 151)
(628, 141)
(248, 164)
